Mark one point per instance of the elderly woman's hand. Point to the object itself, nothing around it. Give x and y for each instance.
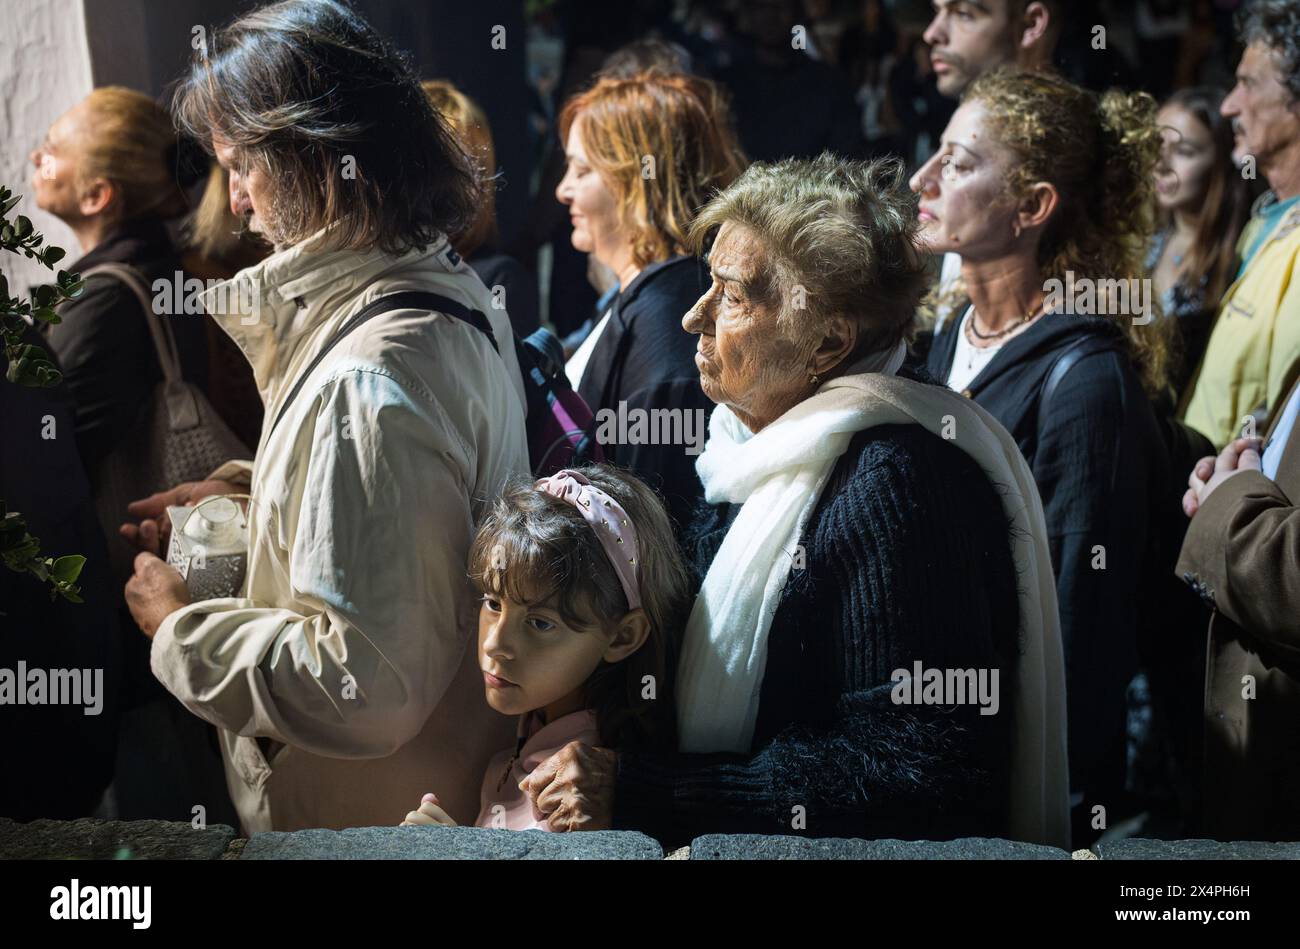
(574, 788)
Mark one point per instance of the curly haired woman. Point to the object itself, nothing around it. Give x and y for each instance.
(1046, 190)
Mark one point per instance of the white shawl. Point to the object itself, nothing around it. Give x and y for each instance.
(777, 476)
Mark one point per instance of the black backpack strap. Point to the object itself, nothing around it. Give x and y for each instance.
(1083, 346)
(403, 300)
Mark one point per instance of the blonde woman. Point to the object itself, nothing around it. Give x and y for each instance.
(111, 168)
(107, 168)
(644, 154)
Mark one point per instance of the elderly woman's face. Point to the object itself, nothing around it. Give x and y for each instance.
(744, 357)
(965, 207)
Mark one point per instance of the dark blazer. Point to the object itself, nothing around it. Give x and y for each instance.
(103, 344)
(1242, 555)
(645, 359)
(1098, 458)
(908, 559)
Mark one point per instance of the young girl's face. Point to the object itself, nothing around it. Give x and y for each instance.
(532, 659)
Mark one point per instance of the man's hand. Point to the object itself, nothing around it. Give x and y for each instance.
(1241, 455)
(574, 788)
(430, 814)
(152, 532)
(154, 592)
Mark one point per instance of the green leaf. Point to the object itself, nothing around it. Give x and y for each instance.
(46, 314)
(52, 255)
(9, 203)
(67, 569)
(44, 295)
(71, 597)
(23, 226)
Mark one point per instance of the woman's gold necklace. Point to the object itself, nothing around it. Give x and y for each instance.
(972, 331)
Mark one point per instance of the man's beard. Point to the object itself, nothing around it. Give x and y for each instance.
(959, 73)
(269, 234)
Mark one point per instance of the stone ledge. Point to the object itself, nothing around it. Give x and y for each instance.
(449, 843)
(756, 847)
(93, 839)
(1137, 848)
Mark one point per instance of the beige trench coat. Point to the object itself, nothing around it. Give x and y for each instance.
(345, 679)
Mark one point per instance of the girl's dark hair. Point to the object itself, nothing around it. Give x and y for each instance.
(307, 91)
(532, 546)
(1227, 197)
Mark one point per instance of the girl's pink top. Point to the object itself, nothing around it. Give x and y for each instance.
(506, 807)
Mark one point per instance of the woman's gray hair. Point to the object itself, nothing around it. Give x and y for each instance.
(1276, 24)
(307, 91)
(841, 236)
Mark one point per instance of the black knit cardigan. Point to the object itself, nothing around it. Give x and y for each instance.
(908, 558)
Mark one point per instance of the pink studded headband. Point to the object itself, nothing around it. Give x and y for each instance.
(614, 529)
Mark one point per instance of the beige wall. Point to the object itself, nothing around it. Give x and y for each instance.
(44, 70)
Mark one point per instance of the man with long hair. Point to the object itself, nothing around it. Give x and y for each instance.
(339, 676)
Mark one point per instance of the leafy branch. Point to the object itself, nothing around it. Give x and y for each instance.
(22, 552)
(29, 365)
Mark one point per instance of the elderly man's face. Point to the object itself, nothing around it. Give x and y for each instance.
(250, 191)
(745, 359)
(1265, 120)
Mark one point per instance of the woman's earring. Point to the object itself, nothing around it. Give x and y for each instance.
(812, 378)
(1015, 229)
